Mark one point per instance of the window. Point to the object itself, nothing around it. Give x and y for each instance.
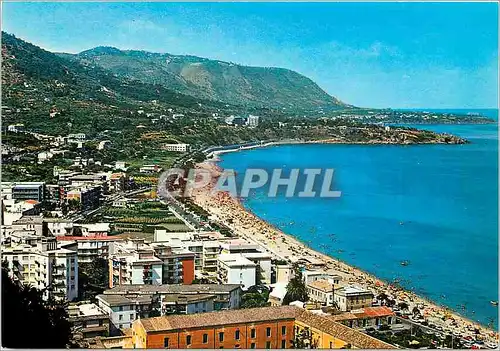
(252, 333)
(120, 308)
(205, 338)
(331, 345)
(252, 345)
(237, 335)
(283, 330)
(131, 316)
(268, 332)
(283, 344)
(120, 317)
(268, 344)
(221, 336)
(188, 340)
(165, 342)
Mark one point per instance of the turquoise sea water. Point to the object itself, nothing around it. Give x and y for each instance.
(433, 205)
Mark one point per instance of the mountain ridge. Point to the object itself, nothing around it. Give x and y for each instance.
(212, 79)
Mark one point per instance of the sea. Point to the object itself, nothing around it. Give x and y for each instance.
(425, 216)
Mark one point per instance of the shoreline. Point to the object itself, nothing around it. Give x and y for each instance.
(231, 212)
(213, 156)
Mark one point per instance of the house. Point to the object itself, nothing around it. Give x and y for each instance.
(16, 128)
(121, 165)
(277, 294)
(284, 273)
(353, 298)
(310, 276)
(88, 320)
(103, 144)
(366, 317)
(150, 169)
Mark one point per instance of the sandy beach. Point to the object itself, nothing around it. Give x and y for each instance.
(231, 213)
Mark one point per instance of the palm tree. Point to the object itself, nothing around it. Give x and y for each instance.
(296, 289)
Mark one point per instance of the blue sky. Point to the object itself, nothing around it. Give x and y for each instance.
(400, 55)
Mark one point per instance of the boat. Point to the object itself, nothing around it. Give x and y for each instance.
(494, 303)
(405, 263)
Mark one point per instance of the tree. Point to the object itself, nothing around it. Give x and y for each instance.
(255, 297)
(303, 339)
(23, 308)
(93, 277)
(296, 289)
(403, 306)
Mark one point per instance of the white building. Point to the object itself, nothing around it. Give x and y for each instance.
(320, 291)
(264, 267)
(176, 147)
(253, 121)
(236, 269)
(121, 165)
(123, 311)
(133, 262)
(310, 276)
(150, 169)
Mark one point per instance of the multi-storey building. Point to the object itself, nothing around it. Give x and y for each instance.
(187, 304)
(176, 147)
(178, 264)
(236, 269)
(90, 247)
(227, 296)
(24, 191)
(321, 291)
(44, 266)
(350, 298)
(254, 328)
(123, 311)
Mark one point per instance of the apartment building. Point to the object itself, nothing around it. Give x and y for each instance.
(90, 247)
(254, 328)
(123, 311)
(42, 266)
(187, 303)
(24, 191)
(227, 296)
(352, 298)
(236, 269)
(178, 264)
